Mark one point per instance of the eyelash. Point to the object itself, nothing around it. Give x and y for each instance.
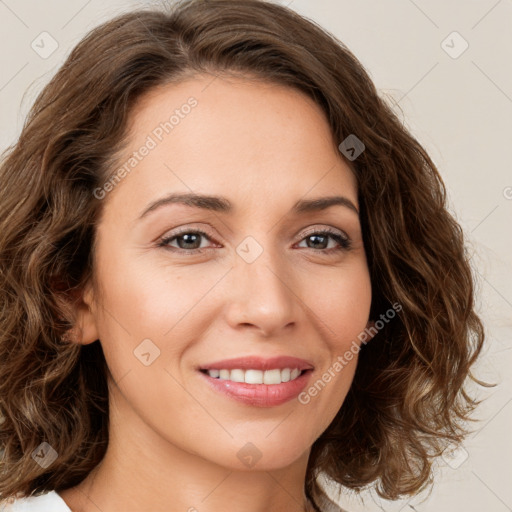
(344, 242)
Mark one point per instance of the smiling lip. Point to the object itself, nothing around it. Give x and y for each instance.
(259, 395)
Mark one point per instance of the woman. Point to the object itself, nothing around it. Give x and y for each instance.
(207, 217)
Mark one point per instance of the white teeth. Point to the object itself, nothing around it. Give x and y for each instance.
(237, 376)
(272, 377)
(253, 377)
(275, 376)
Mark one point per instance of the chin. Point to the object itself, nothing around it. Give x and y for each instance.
(262, 454)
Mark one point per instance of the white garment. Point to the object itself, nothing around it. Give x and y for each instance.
(52, 502)
(48, 502)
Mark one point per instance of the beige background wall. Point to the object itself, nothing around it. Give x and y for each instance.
(458, 103)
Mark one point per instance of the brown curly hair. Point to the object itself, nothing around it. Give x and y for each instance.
(408, 399)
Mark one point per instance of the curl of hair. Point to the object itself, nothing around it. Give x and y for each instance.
(408, 400)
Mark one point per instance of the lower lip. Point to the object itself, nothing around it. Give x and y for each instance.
(260, 395)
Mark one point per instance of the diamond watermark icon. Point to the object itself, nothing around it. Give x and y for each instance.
(44, 45)
(146, 352)
(249, 249)
(454, 45)
(352, 147)
(44, 455)
(249, 454)
(455, 457)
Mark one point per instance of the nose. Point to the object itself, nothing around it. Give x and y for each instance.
(262, 293)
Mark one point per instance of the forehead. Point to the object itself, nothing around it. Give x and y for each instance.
(249, 139)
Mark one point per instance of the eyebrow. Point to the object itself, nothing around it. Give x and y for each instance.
(223, 205)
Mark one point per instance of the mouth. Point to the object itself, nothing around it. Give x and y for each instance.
(258, 381)
(257, 387)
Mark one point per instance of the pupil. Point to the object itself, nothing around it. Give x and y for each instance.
(317, 237)
(186, 237)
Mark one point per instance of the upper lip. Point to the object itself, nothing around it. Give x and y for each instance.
(259, 363)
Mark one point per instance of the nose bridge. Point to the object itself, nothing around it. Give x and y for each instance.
(262, 292)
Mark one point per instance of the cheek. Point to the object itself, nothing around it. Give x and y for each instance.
(342, 304)
(145, 326)
(342, 308)
(148, 302)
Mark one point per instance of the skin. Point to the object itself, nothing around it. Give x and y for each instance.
(173, 440)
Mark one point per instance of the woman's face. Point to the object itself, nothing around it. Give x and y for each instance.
(266, 282)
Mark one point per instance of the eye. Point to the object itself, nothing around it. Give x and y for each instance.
(189, 241)
(321, 238)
